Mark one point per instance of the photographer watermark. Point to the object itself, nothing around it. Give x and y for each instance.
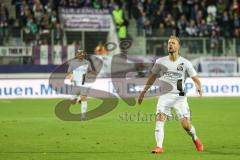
(109, 100)
(143, 117)
(137, 117)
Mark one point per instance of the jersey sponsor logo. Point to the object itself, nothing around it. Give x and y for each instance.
(82, 69)
(180, 67)
(172, 76)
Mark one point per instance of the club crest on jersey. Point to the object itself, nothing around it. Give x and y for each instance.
(180, 67)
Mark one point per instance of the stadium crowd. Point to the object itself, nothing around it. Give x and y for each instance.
(188, 17)
(204, 18)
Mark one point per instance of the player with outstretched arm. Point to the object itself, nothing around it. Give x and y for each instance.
(176, 69)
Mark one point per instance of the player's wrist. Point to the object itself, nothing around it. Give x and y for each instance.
(144, 91)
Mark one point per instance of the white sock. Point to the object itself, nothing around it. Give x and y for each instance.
(192, 133)
(83, 107)
(159, 133)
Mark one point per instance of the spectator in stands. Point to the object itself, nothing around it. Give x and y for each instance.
(192, 29)
(194, 12)
(30, 30)
(129, 7)
(225, 22)
(24, 6)
(31, 26)
(58, 33)
(157, 19)
(189, 6)
(170, 25)
(45, 31)
(147, 23)
(199, 16)
(37, 5)
(105, 4)
(180, 6)
(120, 21)
(111, 5)
(161, 31)
(149, 7)
(236, 24)
(159, 15)
(97, 4)
(46, 22)
(212, 23)
(175, 11)
(137, 15)
(203, 30)
(26, 13)
(214, 43)
(212, 10)
(235, 7)
(18, 7)
(221, 7)
(54, 18)
(4, 18)
(38, 13)
(48, 7)
(181, 25)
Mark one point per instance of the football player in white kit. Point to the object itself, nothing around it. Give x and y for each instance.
(78, 68)
(176, 69)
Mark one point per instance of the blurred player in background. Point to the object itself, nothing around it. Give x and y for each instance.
(77, 71)
(176, 69)
(100, 49)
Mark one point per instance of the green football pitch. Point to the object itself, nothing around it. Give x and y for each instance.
(30, 130)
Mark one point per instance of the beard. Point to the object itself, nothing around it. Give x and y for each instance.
(171, 51)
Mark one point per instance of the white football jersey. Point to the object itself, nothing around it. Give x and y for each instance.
(174, 73)
(79, 69)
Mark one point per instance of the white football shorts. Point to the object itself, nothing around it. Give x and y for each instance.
(170, 101)
(82, 92)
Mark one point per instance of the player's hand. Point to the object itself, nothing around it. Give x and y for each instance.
(140, 98)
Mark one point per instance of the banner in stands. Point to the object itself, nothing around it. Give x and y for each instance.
(220, 65)
(15, 51)
(85, 18)
(57, 54)
(32, 88)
